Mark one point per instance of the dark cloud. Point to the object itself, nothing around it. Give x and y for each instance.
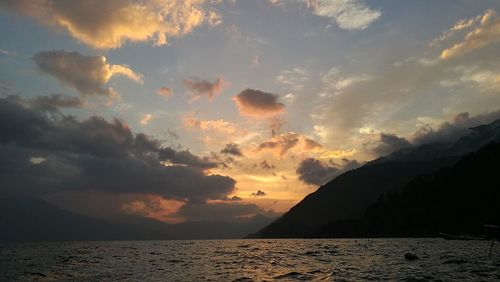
(185, 157)
(258, 104)
(232, 149)
(259, 193)
(315, 172)
(280, 143)
(97, 155)
(446, 133)
(86, 74)
(199, 88)
(390, 143)
(451, 131)
(59, 101)
(310, 144)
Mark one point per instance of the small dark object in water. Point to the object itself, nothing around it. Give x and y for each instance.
(410, 256)
(492, 232)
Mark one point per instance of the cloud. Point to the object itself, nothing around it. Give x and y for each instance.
(153, 206)
(197, 88)
(191, 121)
(258, 104)
(487, 80)
(281, 144)
(276, 2)
(255, 62)
(444, 133)
(276, 123)
(50, 102)
(7, 52)
(146, 119)
(486, 33)
(349, 14)
(164, 92)
(390, 143)
(110, 24)
(294, 78)
(333, 80)
(449, 132)
(457, 27)
(316, 172)
(94, 154)
(214, 18)
(259, 193)
(86, 74)
(232, 149)
(337, 119)
(185, 158)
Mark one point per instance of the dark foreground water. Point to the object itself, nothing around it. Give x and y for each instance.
(249, 260)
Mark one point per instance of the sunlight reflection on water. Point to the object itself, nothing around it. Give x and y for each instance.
(251, 260)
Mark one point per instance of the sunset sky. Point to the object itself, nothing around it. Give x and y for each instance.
(220, 109)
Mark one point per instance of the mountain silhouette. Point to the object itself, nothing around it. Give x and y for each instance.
(459, 199)
(33, 219)
(337, 208)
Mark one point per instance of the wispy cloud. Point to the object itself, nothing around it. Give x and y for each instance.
(164, 92)
(198, 88)
(486, 32)
(349, 14)
(7, 53)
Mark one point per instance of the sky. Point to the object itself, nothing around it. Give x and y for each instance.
(220, 109)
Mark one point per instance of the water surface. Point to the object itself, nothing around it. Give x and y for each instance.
(252, 260)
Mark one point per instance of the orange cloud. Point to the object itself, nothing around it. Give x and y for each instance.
(109, 24)
(281, 144)
(146, 119)
(220, 125)
(485, 34)
(156, 207)
(258, 104)
(165, 92)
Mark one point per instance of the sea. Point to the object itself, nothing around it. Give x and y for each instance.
(252, 260)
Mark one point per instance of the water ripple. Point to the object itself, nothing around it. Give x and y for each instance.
(251, 260)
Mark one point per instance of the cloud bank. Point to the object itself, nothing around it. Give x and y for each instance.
(96, 155)
(110, 24)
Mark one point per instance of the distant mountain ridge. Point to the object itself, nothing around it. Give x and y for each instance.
(33, 219)
(346, 198)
